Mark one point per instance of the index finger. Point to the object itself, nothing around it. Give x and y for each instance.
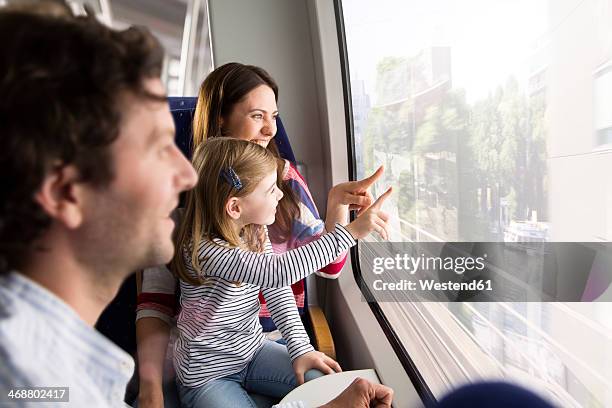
(379, 202)
(368, 181)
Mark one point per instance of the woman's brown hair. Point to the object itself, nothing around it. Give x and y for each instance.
(219, 93)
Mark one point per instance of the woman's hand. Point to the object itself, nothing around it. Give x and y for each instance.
(316, 360)
(152, 337)
(355, 194)
(372, 219)
(352, 195)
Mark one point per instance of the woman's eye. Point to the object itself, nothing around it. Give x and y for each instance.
(258, 116)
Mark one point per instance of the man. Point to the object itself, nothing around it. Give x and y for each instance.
(90, 175)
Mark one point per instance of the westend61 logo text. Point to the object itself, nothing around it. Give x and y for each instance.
(432, 263)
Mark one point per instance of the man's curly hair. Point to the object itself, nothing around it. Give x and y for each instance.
(61, 84)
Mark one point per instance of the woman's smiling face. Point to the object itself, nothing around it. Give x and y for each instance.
(254, 117)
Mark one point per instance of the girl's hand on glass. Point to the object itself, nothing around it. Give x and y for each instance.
(372, 219)
(355, 194)
(314, 360)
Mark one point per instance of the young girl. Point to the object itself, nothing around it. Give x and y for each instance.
(223, 258)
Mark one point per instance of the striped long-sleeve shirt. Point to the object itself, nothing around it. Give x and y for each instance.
(45, 343)
(158, 297)
(219, 329)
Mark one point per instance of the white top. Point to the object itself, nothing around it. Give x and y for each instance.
(219, 329)
(44, 343)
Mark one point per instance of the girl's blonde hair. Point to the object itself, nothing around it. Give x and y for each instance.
(205, 217)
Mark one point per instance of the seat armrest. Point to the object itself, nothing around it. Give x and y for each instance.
(323, 339)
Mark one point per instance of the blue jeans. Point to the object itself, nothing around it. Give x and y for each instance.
(269, 374)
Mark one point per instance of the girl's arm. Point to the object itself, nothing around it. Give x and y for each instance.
(273, 271)
(283, 310)
(269, 271)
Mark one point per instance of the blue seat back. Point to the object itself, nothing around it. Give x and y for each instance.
(183, 109)
(491, 394)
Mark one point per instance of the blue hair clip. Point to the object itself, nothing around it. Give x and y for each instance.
(231, 177)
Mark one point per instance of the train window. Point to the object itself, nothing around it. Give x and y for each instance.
(483, 113)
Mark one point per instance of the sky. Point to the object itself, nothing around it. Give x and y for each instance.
(489, 39)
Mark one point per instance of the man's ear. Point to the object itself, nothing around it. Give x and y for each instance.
(60, 196)
(233, 208)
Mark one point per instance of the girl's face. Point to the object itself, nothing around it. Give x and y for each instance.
(259, 207)
(254, 117)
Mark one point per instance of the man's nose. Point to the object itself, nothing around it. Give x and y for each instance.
(187, 175)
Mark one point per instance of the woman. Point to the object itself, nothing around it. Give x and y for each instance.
(239, 101)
